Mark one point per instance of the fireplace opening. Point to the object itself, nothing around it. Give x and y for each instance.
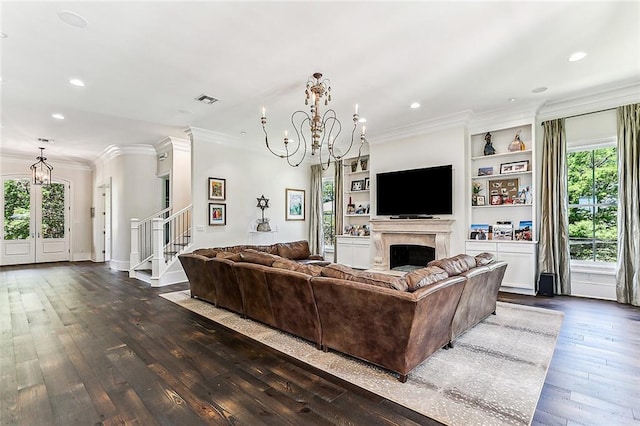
(409, 257)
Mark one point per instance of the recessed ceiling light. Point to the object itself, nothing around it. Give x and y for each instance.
(577, 56)
(73, 19)
(3, 35)
(58, 116)
(362, 120)
(415, 105)
(243, 132)
(539, 89)
(76, 82)
(511, 99)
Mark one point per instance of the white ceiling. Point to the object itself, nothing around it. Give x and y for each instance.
(144, 63)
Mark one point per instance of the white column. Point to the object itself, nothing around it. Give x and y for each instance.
(157, 259)
(134, 255)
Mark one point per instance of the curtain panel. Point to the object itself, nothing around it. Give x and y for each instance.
(553, 248)
(628, 266)
(316, 231)
(337, 204)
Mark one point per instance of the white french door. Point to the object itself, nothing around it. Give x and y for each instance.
(35, 225)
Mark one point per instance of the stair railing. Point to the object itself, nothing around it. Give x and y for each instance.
(170, 238)
(142, 238)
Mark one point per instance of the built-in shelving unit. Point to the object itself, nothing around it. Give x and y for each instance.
(354, 246)
(506, 183)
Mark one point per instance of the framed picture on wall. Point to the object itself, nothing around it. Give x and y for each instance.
(217, 189)
(294, 204)
(217, 214)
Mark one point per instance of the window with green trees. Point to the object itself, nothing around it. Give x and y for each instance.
(593, 204)
(328, 214)
(53, 210)
(17, 209)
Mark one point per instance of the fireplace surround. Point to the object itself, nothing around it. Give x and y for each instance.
(386, 232)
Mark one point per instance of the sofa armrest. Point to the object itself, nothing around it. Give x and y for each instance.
(315, 257)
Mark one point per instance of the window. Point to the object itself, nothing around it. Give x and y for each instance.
(328, 214)
(593, 204)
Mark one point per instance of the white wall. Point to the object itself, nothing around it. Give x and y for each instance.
(433, 149)
(135, 193)
(79, 177)
(249, 173)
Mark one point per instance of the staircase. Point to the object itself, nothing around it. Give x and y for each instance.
(156, 242)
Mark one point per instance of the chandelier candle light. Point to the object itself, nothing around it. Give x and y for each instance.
(41, 171)
(324, 129)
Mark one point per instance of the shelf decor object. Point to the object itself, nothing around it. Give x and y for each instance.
(324, 128)
(263, 224)
(514, 167)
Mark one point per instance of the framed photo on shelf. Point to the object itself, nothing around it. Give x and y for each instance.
(294, 204)
(514, 167)
(357, 185)
(217, 214)
(217, 189)
(480, 200)
(485, 171)
(503, 191)
(366, 183)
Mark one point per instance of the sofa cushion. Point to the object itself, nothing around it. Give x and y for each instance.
(424, 276)
(455, 265)
(336, 270)
(229, 255)
(484, 259)
(292, 265)
(207, 252)
(294, 250)
(258, 257)
(380, 279)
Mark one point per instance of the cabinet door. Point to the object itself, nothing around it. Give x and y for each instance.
(520, 271)
(361, 255)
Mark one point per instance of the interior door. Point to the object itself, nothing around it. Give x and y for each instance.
(35, 226)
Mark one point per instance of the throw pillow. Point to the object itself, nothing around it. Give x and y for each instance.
(335, 270)
(258, 257)
(424, 276)
(380, 279)
(484, 259)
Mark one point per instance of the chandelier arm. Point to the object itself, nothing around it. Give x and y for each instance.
(266, 141)
(300, 137)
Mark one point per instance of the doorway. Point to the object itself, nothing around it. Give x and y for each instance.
(35, 225)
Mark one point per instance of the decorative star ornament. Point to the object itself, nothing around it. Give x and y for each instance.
(263, 203)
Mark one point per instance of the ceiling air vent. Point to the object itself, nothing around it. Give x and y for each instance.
(205, 99)
(45, 140)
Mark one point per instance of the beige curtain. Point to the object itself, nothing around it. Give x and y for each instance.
(338, 204)
(553, 249)
(628, 271)
(316, 231)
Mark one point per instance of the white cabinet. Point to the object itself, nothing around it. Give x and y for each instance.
(520, 276)
(507, 194)
(354, 251)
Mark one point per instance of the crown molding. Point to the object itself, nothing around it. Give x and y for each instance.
(596, 100)
(56, 162)
(113, 151)
(422, 127)
(171, 143)
(503, 118)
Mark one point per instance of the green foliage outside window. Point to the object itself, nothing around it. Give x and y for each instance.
(328, 216)
(17, 209)
(593, 204)
(53, 210)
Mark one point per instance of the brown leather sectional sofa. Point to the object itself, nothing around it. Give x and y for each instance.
(393, 322)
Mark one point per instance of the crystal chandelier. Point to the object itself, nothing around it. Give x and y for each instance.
(41, 171)
(324, 128)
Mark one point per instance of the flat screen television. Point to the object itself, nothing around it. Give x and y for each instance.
(415, 193)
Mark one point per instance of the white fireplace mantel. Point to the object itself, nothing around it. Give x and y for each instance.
(427, 232)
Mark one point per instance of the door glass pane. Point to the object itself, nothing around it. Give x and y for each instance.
(53, 210)
(17, 209)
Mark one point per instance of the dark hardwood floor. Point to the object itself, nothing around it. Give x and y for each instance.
(83, 345)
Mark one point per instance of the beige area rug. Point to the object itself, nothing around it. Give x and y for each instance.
(493, 375)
